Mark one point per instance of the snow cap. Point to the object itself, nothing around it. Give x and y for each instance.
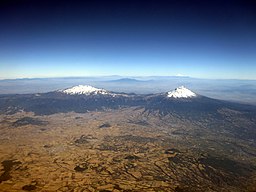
(181, 92)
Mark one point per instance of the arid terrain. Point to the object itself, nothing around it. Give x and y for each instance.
(127, 95)
(125, 149)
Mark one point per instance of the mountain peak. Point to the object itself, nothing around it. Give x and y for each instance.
(181, 92)
(84, 90)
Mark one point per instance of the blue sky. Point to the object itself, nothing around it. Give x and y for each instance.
(132, 38)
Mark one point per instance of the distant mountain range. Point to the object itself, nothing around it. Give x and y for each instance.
(181, 103)
(87, 98)
(126, 80)
(232, 90)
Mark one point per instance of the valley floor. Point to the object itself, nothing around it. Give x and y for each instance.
(121, 150)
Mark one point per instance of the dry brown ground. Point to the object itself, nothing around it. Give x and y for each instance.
(136, 153)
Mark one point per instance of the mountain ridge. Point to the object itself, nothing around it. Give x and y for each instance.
(86, 98)
(84, 90)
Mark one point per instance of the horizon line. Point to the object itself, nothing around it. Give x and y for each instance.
(124, 76)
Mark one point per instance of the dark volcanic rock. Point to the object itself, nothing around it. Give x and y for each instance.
(82, 167)
(8, 165)
(132, 157)
(180, 189)
(226, 165)
(175, 159)
(28, 121)
(29, 187)
(47, 146)
(105, 125)
(82, 140)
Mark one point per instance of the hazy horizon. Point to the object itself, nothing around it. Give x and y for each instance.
(128, 76)
(225, 89)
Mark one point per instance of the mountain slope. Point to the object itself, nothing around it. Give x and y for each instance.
(84, 90)
(82, 99)
(79, 99)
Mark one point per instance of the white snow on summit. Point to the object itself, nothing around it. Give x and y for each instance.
(84, 90)
(181, 92)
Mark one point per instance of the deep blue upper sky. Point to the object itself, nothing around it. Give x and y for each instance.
(50, 38)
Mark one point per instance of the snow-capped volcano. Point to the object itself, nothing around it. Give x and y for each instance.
(84, 90)
(181, 92)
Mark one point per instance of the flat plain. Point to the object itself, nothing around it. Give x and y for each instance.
(125, 149)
